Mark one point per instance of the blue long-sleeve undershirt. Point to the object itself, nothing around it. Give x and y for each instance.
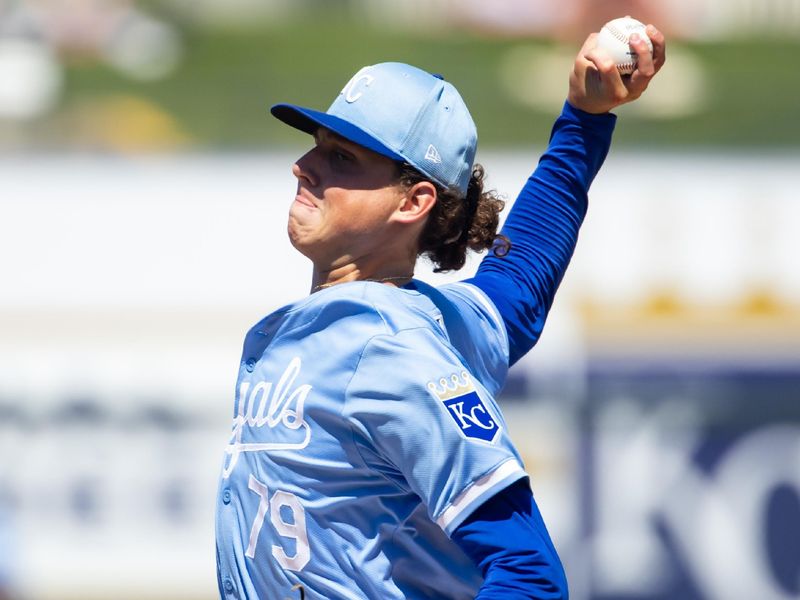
(543, 227)
(507, 540)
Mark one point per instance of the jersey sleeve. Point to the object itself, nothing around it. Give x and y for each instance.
(543, 227)
(421, 419)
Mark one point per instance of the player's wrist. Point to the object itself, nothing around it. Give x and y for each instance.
(586, 108)
(605, 120)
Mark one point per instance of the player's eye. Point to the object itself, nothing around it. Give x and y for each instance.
(339, 156)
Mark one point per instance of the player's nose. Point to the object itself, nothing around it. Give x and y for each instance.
(304, 170)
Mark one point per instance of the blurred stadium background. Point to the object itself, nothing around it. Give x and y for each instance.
(143, 192)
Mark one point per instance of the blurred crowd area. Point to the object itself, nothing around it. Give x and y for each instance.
(165, 75)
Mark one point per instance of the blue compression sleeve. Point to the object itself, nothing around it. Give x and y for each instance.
(506, 538)
(543, 227)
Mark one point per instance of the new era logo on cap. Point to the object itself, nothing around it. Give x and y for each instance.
(405, 114)
(433, 155)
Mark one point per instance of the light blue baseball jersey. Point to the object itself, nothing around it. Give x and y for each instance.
(365, 431)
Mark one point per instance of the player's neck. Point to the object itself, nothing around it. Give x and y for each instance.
(395, 273)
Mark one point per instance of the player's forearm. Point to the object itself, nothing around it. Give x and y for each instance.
(543, 226)
(507, 540)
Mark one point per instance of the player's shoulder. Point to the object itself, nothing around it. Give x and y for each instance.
(373, 307)
(469, 301)
(475, 329)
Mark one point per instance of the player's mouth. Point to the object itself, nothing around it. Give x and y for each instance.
(300, 199)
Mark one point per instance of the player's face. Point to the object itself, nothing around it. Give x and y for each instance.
(346, 196)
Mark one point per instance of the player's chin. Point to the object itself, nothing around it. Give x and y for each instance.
(300, 235)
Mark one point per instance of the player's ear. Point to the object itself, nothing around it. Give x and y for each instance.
(416, 202)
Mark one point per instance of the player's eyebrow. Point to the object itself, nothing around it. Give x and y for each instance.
(323, 135)
(331, 141)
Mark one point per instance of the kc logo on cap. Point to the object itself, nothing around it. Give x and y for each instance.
(350, 91)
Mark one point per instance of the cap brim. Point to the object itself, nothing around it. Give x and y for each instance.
(308, 120)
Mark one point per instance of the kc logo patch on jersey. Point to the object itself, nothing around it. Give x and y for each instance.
(464, 405)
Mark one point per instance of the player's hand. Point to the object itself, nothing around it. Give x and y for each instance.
(595, 85)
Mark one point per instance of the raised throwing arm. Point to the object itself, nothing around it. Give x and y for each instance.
(544, 221)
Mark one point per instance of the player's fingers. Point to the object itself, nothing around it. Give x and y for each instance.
(589, 44)
(659, 46)
(581, 64)
(644, 58)
(645, 67)
(609, 74)
(600, 59)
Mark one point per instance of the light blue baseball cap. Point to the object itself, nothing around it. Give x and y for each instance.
(401, 112)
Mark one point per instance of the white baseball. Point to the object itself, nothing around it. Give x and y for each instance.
(614, 38)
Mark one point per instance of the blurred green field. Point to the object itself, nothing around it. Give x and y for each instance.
(220, 94)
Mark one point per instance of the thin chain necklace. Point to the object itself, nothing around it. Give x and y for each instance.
(322, 286)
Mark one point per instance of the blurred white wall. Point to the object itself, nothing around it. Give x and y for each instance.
(209, 233)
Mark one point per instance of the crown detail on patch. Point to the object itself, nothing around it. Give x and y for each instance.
(452, 387)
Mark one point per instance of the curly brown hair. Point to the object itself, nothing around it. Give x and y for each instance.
(457, 223)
